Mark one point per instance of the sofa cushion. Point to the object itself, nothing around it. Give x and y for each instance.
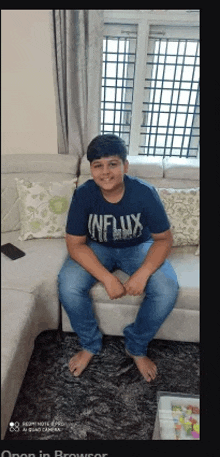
(158, 182)
(10, 214)
(140, 166)
(84, 166)
(44, 207)
(180, 325)
(17, 338)
(42, 262)
(33, 167)
(186, 266)
(145, 167)
(181, 168)
(183, 322)
(38, 163)
(182, 208)
(44, 258)
(23, 317)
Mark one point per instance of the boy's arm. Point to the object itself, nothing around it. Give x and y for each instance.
(84, 255)
(156, 255)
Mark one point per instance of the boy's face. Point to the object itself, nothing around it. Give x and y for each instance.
(108, 172)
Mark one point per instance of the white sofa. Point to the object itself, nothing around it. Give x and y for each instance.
(29, 284)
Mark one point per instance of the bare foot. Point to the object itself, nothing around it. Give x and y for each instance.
(146, 367)
(79, 362)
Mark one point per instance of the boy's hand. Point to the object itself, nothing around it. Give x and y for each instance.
(114, 287)
(136, 284)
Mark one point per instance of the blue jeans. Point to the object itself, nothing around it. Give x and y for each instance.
(75, 282)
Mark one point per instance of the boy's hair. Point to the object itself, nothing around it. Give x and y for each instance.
(105, 146)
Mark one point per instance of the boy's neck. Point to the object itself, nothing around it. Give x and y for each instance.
(114, 196)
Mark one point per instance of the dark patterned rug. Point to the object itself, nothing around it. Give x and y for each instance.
(109, 401)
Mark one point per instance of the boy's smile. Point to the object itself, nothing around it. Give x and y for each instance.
(108, 174)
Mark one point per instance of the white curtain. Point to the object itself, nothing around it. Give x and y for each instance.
(77, 62)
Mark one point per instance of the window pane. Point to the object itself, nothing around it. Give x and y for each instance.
(111, 70)
(191, 48)
(172, 90)
(184, 97)
(119, 54)
(172, 47)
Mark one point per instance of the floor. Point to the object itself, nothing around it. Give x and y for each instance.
(109, 401)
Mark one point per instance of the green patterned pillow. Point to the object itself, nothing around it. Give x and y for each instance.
(43, 208)
(182, 208)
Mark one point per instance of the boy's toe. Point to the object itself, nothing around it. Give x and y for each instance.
(75, 373)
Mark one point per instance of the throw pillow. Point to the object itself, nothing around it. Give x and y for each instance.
(182, 208)
(43, 208)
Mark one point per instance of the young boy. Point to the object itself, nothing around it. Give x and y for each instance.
(116, 221)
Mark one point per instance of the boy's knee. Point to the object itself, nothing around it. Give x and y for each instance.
(163, 286)
(71, 285)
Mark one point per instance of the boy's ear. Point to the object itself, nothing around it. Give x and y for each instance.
(126, 166)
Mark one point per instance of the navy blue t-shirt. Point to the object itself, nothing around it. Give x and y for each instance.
(129, 222)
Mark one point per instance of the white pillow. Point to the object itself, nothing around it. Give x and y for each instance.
(182, 208)
(43, 208)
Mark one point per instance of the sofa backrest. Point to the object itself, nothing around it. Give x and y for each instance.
(177, 173)
(162, 173)
(33, 167)
(169, 173)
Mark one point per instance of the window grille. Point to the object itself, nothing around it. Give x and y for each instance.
(118, 72)
(170, 122)
(159, 113)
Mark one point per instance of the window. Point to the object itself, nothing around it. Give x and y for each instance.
(171, 100)
(118, 71)
(152, 102)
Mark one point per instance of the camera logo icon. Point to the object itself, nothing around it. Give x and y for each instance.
(14, 426)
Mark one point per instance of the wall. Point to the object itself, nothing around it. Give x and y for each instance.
(27, 98)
